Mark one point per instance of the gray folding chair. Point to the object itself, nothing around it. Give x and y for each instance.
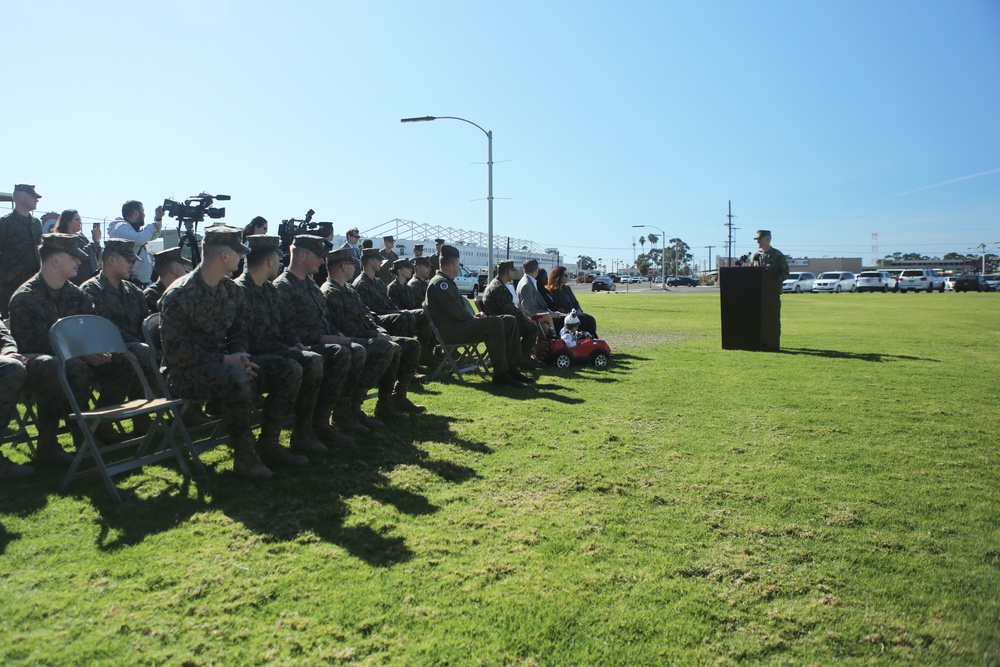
(457, 358)
(81, 335)
(206, 436)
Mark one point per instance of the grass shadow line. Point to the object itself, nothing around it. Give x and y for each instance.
(877, 357)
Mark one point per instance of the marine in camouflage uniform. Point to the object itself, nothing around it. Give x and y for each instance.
(34, 308)
(323, 374)
(123, 303)
(389, 258)
(349, 314)
(305, 310)
(773, 261)
(206, 351)
(13, 375)
(457, 324)
(417, 284)
(20, 236)
(169, 265)
(375, 295)
(497, 300)
(405, 298)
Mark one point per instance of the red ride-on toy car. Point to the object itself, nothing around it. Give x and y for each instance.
(555, 351)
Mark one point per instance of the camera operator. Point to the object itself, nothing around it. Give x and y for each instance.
(131, 227)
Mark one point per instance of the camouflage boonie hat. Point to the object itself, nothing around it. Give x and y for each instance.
(264, 242)
(122, 247)
(315, 244)
(227, 236)
(340, 255)
(449, 252)
(761, 232)
(401, 264)
(370, 253)
(29, 189)
(169, 256)
(63, 243)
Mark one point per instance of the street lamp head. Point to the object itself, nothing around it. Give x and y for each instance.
(422, 119)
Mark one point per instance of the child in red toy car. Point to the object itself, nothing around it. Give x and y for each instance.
(571, 334)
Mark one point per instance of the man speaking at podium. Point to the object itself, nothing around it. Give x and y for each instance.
(772, 260)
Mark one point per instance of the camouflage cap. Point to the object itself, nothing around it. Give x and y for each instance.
(227, 236)
(29, 189)
(761, 232)
(422, 261)
(505, 265)
(370, 253)
(122, 247)
(315, 244)
(438, 241)
(418, 246)
(401, 264)
(449, 252)
(264, 242)
(169, 256)
(66, 243)
(388, 238)
(340, 255)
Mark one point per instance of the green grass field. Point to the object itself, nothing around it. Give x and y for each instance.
(835, 503)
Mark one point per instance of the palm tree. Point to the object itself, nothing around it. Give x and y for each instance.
(642, 242)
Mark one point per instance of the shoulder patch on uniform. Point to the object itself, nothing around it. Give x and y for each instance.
(444, 285)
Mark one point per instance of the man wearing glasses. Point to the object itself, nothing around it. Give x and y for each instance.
(353, 236)
(20, 235)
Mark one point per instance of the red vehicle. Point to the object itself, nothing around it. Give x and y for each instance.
(555, 352)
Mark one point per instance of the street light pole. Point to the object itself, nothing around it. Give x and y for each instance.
(489, 164)
(663, 253)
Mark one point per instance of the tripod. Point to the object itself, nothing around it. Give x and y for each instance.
(187, 238)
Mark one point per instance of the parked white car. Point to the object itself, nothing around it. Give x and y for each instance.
(876, 281)
(798, 282)
(921, 280)
(467, 282)
(835, 281)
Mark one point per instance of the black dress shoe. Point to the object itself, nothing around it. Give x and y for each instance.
(505, 380)
(521, 377)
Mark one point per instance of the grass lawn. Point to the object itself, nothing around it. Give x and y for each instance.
(835, 503)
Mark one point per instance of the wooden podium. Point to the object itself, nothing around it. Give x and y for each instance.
(751, 308)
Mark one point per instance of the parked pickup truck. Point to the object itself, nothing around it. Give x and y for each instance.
(468, 282)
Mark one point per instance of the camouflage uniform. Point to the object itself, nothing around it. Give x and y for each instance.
(126, 307)
(153, 294)
(12, 377)
(199, 326)
(497, 300)
(34, 308)
(349, 314)
(323, 373)
(419, 288)
(305, 311)
(458, 325)
(385, 271)
(403, 296)
(20, 236)
(375, 296)
(772, 260)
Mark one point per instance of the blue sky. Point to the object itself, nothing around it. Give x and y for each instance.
(824, 122)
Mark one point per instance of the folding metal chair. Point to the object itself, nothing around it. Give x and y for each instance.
(206, 436)
(81, 335)
(457, 358)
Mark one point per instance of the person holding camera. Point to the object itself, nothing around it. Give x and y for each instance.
(131, 227)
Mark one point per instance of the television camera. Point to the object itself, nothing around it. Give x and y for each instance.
(189, 213)
(289, 229)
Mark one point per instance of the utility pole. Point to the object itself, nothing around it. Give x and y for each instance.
(709, 256)
(729, 243)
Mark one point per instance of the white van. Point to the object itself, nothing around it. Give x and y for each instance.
(798, 282)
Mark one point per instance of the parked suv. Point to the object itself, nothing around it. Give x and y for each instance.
(969, 282)
(834, 281)
(798, 282)
(875, 281)
(927, 280)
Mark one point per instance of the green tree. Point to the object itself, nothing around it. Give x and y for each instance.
(586, 263)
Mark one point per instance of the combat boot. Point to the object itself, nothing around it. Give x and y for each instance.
(10, 471)
(343, 417)
(506, 380)
(272, 453)
(386, 408)
(49, 451)
(403, 401)
(306, 439)
(516, 373)
(246, 463)
(327, 434)
(368, 422)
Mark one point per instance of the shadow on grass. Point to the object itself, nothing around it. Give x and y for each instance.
(6, 538)
(310, 501)
(856, 356)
